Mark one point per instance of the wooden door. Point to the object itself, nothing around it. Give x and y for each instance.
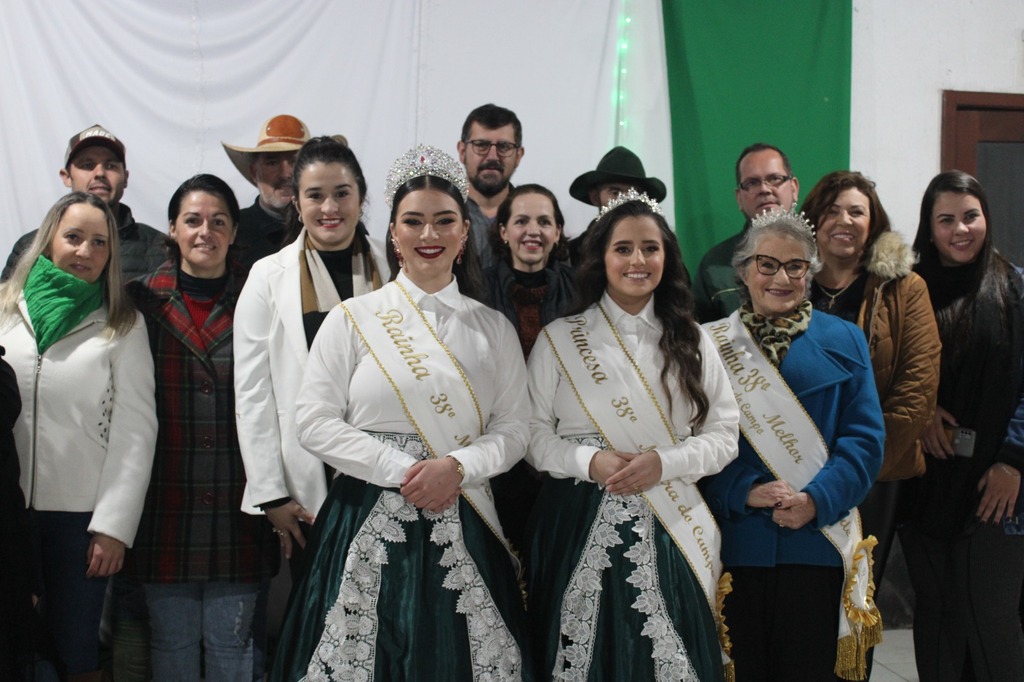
(983, 134)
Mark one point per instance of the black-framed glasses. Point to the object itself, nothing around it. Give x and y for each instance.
(482, 147)
(773, 180)
(794, 269)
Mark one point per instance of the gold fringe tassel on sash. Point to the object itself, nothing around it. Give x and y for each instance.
(865, 621)
(724, 588)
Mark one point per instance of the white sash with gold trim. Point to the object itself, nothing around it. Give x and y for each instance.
(788, 442)
(627, 411)
(436, 395)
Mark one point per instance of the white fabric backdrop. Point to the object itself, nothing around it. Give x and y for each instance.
(174, 78)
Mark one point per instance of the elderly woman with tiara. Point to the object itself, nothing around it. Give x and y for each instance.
(409, 576)
(631, 407)
(812, 438)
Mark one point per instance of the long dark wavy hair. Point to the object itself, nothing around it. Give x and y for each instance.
(988, 284)
(471, 282)
(673, 302)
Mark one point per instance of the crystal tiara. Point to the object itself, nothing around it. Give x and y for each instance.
(627, 196)
(789, 217)
(424, 160)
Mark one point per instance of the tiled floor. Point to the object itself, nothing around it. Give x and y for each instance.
(894, 658)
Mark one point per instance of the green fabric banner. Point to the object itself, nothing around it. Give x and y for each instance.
(741, 72)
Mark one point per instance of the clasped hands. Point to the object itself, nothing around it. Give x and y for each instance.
(626, 473)
(432, 484)
(790, 509)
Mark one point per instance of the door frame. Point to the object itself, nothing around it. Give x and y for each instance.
(959, 151)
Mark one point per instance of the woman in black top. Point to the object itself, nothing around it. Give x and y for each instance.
(531, 284)
(965, 567)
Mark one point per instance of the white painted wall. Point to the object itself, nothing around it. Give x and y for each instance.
(905, 54)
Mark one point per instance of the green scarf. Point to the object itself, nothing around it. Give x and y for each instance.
(57, 301)
(774, 334)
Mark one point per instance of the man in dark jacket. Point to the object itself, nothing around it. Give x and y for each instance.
(94, 162)
(269, 166)
(491, 147)
(764, 181)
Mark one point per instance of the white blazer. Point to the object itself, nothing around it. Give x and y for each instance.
(270, 357)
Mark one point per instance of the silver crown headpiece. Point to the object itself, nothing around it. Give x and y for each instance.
(630, 195)
(788, 217)
(424, 160)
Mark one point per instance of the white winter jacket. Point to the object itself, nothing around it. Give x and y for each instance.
(87, 430)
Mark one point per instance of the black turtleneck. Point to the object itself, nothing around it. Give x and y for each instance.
(200, 289)
(530, 280)
(339, 267)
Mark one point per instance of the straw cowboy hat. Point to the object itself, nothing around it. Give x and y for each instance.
(282, 133)
(618, 165)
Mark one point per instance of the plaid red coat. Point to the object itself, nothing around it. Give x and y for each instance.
(192, 526)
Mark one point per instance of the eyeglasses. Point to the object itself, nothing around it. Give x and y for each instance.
(773, 180)
(482, 147)
(794, 269)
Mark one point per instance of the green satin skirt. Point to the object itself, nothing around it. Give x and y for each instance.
(608, 589)
(402, 594)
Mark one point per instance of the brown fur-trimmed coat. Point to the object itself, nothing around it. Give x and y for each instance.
(896, 315)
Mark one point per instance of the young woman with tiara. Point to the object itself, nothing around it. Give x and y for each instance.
(631, 407)
(409, 576)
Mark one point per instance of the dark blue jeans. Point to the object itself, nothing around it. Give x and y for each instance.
(72, 603)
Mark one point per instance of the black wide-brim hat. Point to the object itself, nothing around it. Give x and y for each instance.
(618, 165)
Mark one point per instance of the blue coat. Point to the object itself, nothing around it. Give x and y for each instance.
(829, 371)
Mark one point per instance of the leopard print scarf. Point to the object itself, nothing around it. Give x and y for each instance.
(774, 334)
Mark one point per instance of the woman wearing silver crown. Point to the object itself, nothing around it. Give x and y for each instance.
(631, 407)
(409, 576)
(801, 605)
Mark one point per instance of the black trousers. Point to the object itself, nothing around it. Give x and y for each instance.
(784, 622)
(967, 594)
(878, 517)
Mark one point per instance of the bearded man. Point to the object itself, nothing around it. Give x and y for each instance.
(491, 149)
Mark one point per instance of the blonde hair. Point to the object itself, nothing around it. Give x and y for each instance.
(120, 312)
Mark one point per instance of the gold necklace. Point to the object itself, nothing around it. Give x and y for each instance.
(832, 297)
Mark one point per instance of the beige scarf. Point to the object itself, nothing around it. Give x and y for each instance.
(318, 291)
